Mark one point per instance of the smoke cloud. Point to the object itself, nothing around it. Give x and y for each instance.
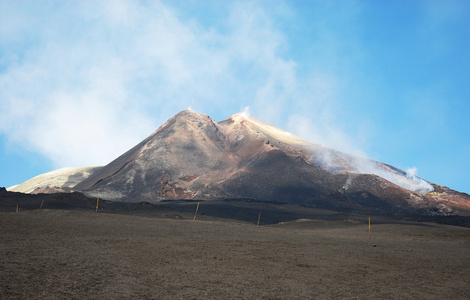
(338, 162)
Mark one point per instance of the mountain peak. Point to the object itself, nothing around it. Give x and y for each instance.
(185, 118)
(270, 131)
(239, 117)
(189, 114)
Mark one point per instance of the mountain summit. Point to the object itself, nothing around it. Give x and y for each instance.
(193, 157)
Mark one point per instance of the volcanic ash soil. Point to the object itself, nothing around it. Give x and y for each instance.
(57, 254)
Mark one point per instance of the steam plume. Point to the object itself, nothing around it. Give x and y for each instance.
(338, 162)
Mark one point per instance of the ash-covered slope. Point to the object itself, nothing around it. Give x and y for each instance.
(176, 162)
(61, 180)
(193, 157)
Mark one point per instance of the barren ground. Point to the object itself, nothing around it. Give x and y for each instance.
(164, 254)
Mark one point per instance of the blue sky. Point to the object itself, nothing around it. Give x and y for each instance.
(81, 82)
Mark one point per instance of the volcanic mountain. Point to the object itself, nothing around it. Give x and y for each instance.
(193, 157)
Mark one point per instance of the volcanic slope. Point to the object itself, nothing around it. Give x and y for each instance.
(61, 180)
(193, 157)
(178, 161)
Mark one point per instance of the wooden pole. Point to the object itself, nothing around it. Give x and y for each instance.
(369, 228)
(17, 210)
(41, 204)
(97, 201)
(259, 217)
(195, 214)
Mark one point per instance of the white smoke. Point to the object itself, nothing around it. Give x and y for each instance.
(411, 172)
(349, 181)
(338, 162)
(422, 186)
(246, 112)
(406, 180)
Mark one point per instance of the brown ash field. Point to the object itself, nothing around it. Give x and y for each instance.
(144, 251)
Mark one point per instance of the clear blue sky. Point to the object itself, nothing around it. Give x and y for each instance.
(81, 82)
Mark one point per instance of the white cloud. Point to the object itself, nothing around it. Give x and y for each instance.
(93, 79)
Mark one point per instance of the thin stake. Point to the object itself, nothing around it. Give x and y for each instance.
(41, 204)
(369, 228)
(195, 214)
(97, 201)
(17, 210)
(259, 217)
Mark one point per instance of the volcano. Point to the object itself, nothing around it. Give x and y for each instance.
(192, 157)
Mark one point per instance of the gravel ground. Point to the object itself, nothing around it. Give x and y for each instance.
(58, 254)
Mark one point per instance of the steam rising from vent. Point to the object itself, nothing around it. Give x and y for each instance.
(422, 185)
(405, 180)
(337, 162)
(411, 172)
(245, 114)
